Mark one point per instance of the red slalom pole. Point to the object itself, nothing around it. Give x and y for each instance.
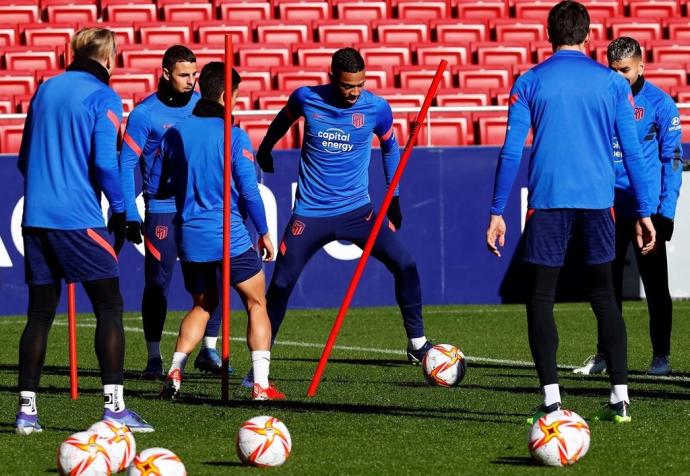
(227, 208)
(72, 336)
(344, 307)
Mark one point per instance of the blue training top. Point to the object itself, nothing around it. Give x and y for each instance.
(145, 128)
(193, 152)
(659, 132)
(334, 170)
(69, 153)
(574, 106)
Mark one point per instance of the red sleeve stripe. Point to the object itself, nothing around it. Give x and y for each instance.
(513, 99)
(152, 249)
(248, 154)
(387, 135)
(113, 118)
(132, 144)
(102, 242)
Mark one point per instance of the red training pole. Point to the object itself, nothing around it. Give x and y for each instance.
(227, 208)
(421, 116)
(72, 336)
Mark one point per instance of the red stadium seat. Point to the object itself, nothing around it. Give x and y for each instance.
(259, 56)
(124, 31)
(654, 8)
(482, 10)
(6, 104)
(398, 98)
(678, 28)
(379, 79)
(598, 30)
(214, 31)
(336, 31)
(207, 53)
(46, 74)
(641, 29)
(315, 54)
(432, 54)
(448, 31)
(268, 100)
(364, 10)
(131, 12)
(511, 30)
(72, 13)
(18, 14)
(419, 77)
(304, 11)
(243, 103)
(11, 136)
(666, 75)
(685, 124)
(188, 12)
(279, 31)
(597, 50)
(490, 53)
(422, 10)
(128, 104)
(164, 33)
(292, 77)
(255, 80)
(41, 34)
(670, 51)
(484, 77)
(142, 57)
(130, 83)
(30, 58)
(245, 11)
(465, 98)
(8, 35)
(501, 96)
(446, 131)
(601, 9)
(491, 127)
(541, 50)
(681, 93)
(22, 102)
(395, 31)
(532, 9)
(256, 129)
(379, 56)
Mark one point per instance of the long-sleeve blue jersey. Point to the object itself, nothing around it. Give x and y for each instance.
(141, 144)
(193, 152)
(68, 154)
(659, 132)
(334, 170)
(574, 106)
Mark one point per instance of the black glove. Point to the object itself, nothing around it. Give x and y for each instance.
(663, 227)
(117, 225)
(265, 159)
(134, 232)
(394, 214)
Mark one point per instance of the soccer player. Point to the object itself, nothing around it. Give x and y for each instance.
(174, 101)
(193, 152)
(68, 156)
(332, 201)
(574, 106)
(659, 132)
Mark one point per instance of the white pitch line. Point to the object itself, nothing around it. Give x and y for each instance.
(375, 350)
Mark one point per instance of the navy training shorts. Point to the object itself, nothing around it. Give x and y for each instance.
(199, 278)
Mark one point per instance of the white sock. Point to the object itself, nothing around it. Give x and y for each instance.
(209, 342)
(27, 403)
(154, 349)
(552, 394)
(261, 361)
(417, 343)
(179, 360)
(113, 397)
(619, 393)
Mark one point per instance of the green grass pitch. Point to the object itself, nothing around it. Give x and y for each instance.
(374, 413)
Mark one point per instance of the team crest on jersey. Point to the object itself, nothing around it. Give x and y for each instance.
(297, 228)
(161, 232)
(358, 119)
(639, 113)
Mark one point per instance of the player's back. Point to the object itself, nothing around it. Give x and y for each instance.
(58, 151)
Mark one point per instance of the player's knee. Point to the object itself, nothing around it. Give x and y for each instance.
(283, 283)
(405, 265)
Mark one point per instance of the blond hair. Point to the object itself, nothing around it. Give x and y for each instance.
(95, 43)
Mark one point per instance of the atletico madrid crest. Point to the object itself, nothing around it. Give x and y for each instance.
(358, 119)
(639, 113)
(161, 232)
(297, 228)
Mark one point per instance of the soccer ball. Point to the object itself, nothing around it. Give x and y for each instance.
(119, 443)
(83, 453)
(444, 365)
(559, 438)
(158, 462)
(263, 441)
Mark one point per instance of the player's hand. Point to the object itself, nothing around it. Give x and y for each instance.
(265, 158)
(394, 214)
(134, 232)
(266, 250)
(663, 226)
(645, 234)
(496, 233)
(117, 225)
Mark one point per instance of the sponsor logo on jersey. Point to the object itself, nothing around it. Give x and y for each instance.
(675, 124)
(358, 119)
(335, 141)
(617, 152)
(639, 113)
(297, 228)
(161, 232)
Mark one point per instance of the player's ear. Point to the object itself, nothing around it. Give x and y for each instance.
(166, 74)
(331, 77)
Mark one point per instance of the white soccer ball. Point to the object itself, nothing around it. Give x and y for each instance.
(120, 443)
(444, 365)
(559, 438)
(83, 453)
(263, 441)
(156, 461)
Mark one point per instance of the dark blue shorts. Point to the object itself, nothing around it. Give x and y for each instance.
(72, 255)
(200, 278)
(548, 232)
